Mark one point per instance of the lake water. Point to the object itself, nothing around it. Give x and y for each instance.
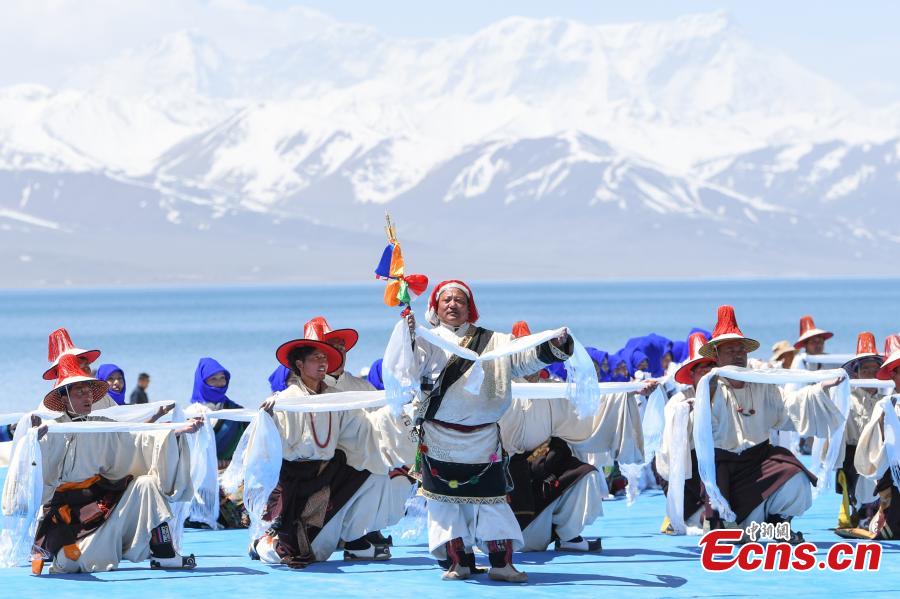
(165, 331)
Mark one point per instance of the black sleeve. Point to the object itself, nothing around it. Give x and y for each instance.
(545, 351)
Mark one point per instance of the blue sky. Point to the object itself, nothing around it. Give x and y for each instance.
(854, 43)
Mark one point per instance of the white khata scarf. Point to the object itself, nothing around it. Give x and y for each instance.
(703, 439)
(805, 360)
(677, 426)
(258, 465)
(401, 370)
(23, 488)
(653, 423)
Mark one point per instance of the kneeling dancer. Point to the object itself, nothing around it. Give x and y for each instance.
(325, 496)
(762, 483)
(857, 502)
(875, 460)
(107, 495)
(558, 490)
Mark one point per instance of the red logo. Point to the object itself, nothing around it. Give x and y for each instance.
(721, 551)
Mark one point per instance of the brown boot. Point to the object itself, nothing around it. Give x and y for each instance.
(500, 556)
(456, 552)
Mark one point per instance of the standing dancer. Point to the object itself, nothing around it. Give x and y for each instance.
(463, 466)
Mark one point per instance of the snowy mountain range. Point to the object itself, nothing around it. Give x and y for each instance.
(531, 148)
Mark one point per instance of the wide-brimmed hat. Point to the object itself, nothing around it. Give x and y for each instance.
(808, 330)
(335, 359)
(70, 372)
(891, 344)
(782, 347)
(727, 330)
(60, 343)
(695, 343)
(891, 364)
(318, 329)
(865, 350)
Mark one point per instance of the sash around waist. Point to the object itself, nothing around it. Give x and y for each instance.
(465, 445)
(463, 428)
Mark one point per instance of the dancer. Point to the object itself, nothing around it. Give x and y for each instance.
(107, 496)
(463, 466)
(557, 490)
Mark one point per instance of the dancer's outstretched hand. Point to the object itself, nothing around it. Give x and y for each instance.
(648, 388)
(193, 426)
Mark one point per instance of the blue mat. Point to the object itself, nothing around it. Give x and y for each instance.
(636, 561)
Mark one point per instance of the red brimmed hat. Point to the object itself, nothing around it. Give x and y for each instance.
(70, 372)
(521, 329)
(865, 350)
(431, 314)
(318, 329)
(891, 344)
(727, 330)
(59, 344)
(808, 330)
(335, 359)
(890, 365)
(695, 343)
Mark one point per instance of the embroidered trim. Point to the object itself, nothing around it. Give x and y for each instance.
(558, 353)
(463, 500)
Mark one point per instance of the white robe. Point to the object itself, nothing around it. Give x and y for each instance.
(808, 410)
(399, 487)
(372, 440)
(160, 463)
(615, 430)
(479, 521)
(871, 458)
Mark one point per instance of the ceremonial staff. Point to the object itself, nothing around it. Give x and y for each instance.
(401, 288)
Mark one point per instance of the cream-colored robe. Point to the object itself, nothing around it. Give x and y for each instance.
(479, 522)
(614, 429)
(461, 407)
(373, 440)
(862, 404)
(809, 409)
(160, 463)
(393, 504)
(349, 382)
(871, 459)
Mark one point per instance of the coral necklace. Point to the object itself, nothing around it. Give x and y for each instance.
(312, 423)
(740, 408)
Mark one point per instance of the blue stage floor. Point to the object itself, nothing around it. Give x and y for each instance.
(636, 561)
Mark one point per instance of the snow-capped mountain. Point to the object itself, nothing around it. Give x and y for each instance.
(529, 148)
